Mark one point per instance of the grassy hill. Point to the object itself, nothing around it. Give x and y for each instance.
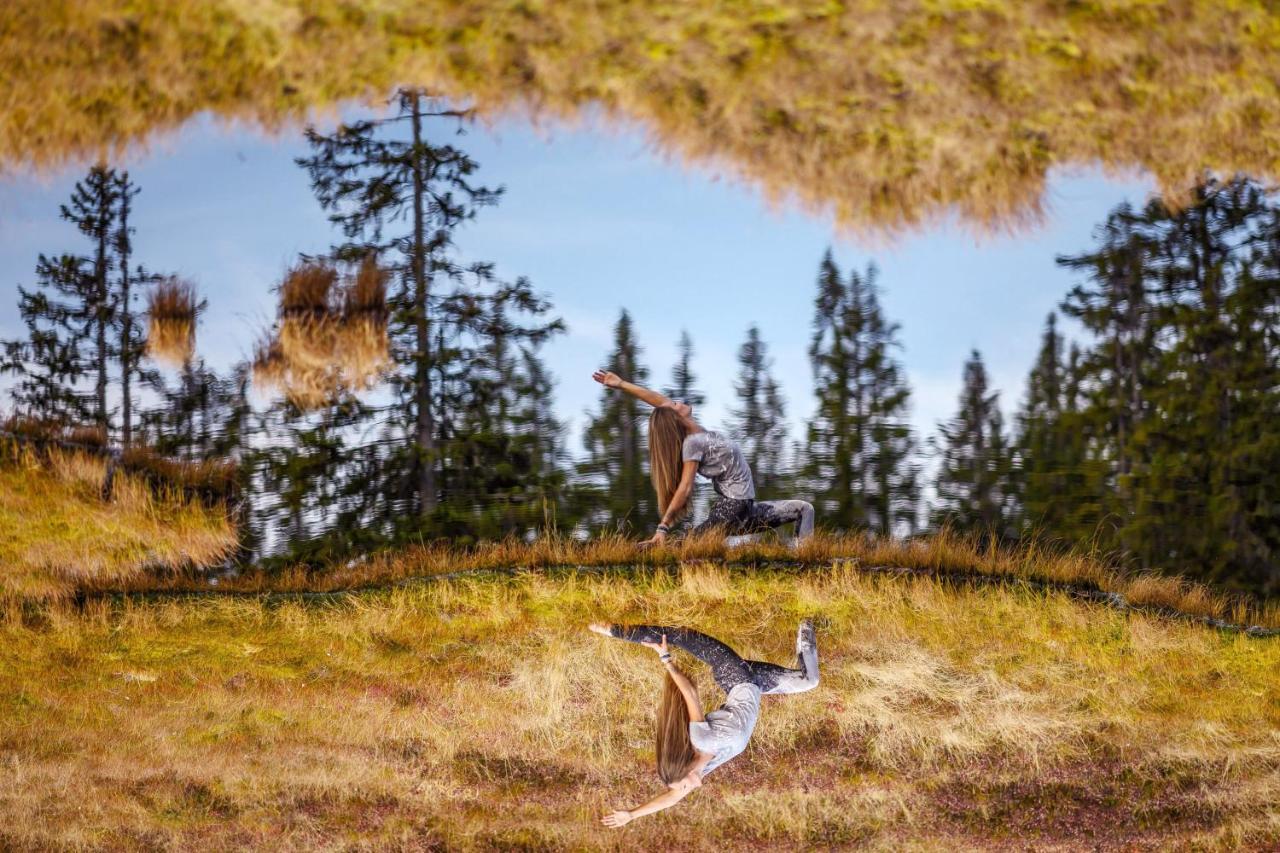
(476, 712)
(888, 115)
(58, 535)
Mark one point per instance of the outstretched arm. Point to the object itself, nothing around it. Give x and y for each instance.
(667, 798)
(613, 380)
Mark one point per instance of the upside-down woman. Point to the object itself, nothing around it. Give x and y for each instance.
(690, 744)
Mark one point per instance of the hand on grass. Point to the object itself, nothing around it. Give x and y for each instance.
(607, 378)
(618, 818)
(656, 539)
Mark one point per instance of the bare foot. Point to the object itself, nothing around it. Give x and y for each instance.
(601, 628)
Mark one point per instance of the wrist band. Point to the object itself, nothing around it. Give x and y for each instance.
(664, 527)
(665, 658)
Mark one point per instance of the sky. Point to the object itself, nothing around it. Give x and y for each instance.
(598, 220)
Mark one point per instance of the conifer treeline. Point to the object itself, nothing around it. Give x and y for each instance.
(1155, 437)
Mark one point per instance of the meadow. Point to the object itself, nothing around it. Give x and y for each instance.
(438, 698)
(476, 712)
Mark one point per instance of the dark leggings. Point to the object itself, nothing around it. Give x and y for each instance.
(727, 667)
(736, 517)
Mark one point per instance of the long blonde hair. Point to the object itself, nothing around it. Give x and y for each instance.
(667, 433)
(674, 748)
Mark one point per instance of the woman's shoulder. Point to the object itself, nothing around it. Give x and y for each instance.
(697, 440)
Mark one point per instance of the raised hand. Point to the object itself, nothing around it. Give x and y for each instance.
(607, 378)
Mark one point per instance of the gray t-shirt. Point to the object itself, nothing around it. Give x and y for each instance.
(720, 461)
(727, 729)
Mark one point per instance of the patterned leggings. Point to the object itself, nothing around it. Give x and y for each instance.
(727, 667)
(737, 517)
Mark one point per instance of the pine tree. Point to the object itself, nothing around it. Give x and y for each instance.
(683, 381)
(1116, 306)
(1042, 441)
(371, 175)
(760, 418)
(1212, 454)
(974, 487)
(858, 456)
(70, 317)
(614, 490)
(130, 343)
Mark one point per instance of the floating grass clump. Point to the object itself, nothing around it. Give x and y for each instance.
(887, 116)
(330, 335)
(172, 307)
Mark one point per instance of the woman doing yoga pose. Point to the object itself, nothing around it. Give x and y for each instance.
(689, 744)
(679, 448)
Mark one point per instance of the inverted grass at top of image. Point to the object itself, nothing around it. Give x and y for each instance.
(951, 105)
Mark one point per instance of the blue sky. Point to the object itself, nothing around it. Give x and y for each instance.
(598, 220)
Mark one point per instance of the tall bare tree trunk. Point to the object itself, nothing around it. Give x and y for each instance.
(426, 424)
(126, 350)
(100, 276)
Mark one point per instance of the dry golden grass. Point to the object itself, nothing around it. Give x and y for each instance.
(890, 116)
(57, 535)
(171, 334)
(215, 478)
(478, 713)
(944, 554)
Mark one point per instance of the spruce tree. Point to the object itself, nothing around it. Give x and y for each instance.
(70, 317)
(94, 210)
(1042, 442)
(1168, 419)
(371, 176)
(614, 490)
(683, 382)
(860, 446)
(974, 479)
(130, 343)
(760, 417)
(1212, 454)
(1115, 305)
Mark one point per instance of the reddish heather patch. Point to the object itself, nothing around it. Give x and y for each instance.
(1095, 804)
